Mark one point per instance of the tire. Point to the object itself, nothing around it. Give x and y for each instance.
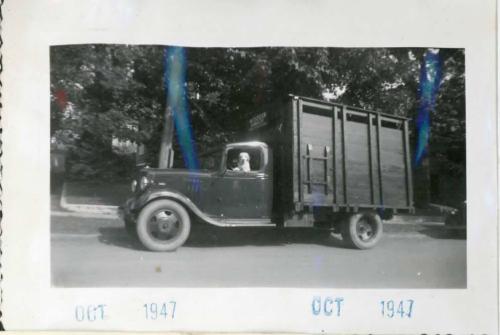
(163, 225)
(362, 230)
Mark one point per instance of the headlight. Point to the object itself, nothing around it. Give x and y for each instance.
(134, 186)
(144, 182)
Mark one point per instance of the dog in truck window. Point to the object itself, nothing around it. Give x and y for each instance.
(243, 162)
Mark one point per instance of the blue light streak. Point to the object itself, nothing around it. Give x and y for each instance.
(175, 83)
(430, 80)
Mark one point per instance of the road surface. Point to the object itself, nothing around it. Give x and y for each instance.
(91, 252)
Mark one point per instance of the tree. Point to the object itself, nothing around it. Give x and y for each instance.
(105, 92)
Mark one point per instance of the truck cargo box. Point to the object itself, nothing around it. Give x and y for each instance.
(333, 155)
(349, 157)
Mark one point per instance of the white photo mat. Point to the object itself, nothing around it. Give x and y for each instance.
(31, 27)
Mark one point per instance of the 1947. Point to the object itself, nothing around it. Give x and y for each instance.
(401, 309)
(154, 311)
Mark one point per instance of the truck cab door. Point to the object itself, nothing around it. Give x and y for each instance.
(243, 194)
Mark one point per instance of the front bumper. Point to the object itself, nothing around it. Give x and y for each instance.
(126, 211)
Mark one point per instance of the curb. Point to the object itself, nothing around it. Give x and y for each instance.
(415, 219)
(86, 215)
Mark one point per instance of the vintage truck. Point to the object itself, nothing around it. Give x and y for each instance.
(316, 164)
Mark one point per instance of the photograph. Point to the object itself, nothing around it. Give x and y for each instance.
(266, 167)
(299, 167)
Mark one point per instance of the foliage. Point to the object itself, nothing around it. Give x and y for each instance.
(101, 92)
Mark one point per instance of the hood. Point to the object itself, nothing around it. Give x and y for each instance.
(181, 181)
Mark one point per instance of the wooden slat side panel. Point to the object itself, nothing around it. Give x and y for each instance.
(392, 139)
(317, 135)
(317, 129)
(317, 107)
(368, 164)
(357, 163)
(317, 197)
(393, 158)
(393, 167)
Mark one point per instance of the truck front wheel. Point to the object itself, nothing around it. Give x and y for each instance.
(163, 225)
(362, 230)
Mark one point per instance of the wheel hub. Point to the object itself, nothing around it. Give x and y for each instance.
(165, 224)
(364, 230)
(164, 227)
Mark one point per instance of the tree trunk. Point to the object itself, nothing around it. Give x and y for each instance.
(166, 158)
(422, 183)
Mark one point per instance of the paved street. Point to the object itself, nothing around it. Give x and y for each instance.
(96, 252)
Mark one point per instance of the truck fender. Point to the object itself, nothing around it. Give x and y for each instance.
(186, 202)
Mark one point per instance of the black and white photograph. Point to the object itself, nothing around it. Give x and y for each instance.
(300, 167)
(307, 167)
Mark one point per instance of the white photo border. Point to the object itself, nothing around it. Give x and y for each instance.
(32, 26)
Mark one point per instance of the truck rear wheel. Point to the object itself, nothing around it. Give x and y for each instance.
(362, 230)
(163, 225)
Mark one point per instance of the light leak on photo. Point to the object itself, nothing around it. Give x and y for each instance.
(175, 84)
(430, 79)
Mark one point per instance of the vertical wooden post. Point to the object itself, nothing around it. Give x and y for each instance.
(370, 158)
(309, 149)
(334, 157)
(295, 151)
(344, 172)
(379, 165)
(409, 181)
(299, 153)
(325, 177)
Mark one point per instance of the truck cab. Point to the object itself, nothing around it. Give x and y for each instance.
(243, 193)
(222, 193)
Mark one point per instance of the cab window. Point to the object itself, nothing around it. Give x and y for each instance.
(244, 159)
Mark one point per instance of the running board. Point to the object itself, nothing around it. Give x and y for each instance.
(239, 222)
